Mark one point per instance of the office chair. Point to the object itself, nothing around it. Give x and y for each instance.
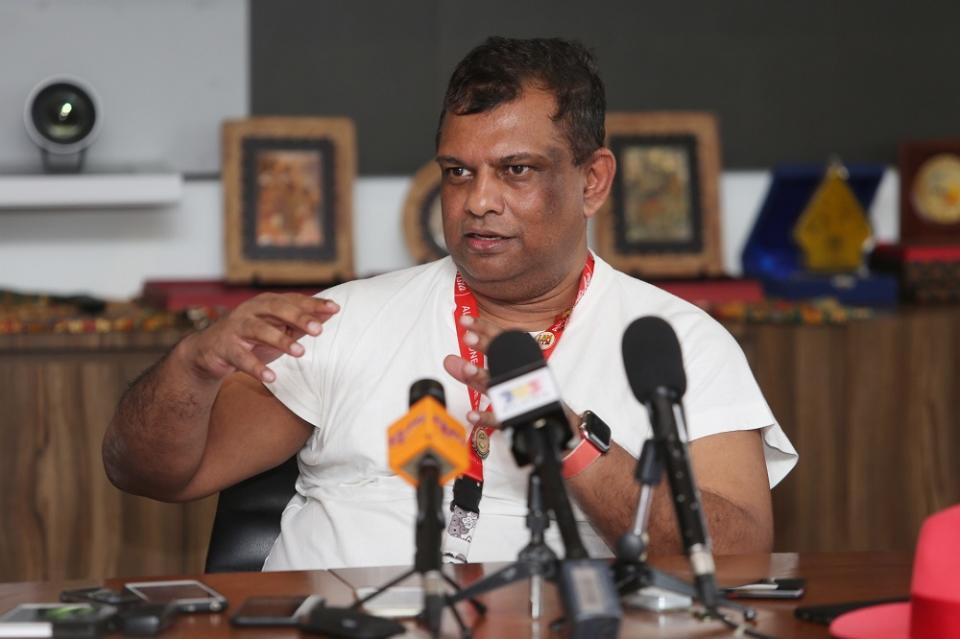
(248, 519)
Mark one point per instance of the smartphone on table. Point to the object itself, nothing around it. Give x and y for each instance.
(186, 595)
(99, 595)
(773, 588)
(275, 611)
(79, 620)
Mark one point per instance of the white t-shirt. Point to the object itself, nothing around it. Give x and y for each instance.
(353, 382)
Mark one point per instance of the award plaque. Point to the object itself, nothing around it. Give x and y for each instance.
(833, 229)
(930, 192)
(797, 227)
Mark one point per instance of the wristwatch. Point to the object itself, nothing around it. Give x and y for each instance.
(594, 442)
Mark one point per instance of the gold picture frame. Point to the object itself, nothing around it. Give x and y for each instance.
(662, 217)
(288, 199)
(422, 221)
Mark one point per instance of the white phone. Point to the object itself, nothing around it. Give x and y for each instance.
(56, 619)
(398, 602)
(186, 595)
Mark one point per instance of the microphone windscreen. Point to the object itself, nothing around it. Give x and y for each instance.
(652, 358)
(427, 388)
(512, 351)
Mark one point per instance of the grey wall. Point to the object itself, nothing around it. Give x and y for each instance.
(792, 81)
(166, 73)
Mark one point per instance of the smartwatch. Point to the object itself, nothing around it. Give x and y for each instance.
(594, 442)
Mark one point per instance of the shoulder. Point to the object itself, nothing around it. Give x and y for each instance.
(634, 298)
(381, 289)
(622, 299)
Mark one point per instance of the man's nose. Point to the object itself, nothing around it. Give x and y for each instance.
(485, 195)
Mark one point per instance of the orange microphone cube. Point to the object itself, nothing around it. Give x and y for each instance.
(427, 429)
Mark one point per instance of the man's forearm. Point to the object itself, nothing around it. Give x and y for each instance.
(608, 494)
(733, 530)
(156, 439)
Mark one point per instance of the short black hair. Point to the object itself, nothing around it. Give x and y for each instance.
(496, 72)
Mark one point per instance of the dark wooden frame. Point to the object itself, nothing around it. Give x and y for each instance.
(914, 227)
(417, 211)
(700, 256)
(246, 261)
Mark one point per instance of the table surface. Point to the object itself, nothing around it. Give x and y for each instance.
(831, 578)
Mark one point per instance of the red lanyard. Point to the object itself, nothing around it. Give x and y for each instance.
(466, 305)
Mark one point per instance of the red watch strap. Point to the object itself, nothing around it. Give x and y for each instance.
(579, 458)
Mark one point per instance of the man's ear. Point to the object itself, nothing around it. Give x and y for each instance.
(599, 171)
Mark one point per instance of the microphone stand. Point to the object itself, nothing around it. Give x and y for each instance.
(631, 570)
(428, 560)
(536, 560)
(539, 445)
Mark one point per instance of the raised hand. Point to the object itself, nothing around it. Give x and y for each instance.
(256, 333)
(479, 334)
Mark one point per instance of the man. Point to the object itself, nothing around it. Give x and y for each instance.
(520, 145)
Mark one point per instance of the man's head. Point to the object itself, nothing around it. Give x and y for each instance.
(497, 71)
(520, 146)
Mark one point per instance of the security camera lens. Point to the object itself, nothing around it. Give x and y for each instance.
(63, 113)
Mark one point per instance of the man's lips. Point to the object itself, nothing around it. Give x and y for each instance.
(485, 240)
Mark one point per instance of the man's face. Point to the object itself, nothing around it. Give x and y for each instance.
(513, 201)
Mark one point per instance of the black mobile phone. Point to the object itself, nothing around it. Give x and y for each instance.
(768, 589)
(99, 594)
(186, 595)
(274, 611)
(826, 613)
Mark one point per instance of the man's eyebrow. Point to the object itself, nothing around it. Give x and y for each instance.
(447, 159)
(516, 158)
(550, 155)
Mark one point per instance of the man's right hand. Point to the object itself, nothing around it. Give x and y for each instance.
(256, 333)
(187, 428)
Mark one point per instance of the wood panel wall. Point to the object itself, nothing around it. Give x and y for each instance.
(872, 406)
(60, 518)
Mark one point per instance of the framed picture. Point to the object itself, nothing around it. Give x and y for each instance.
(930, 192)
(288, 199)
(422, 220)
(662, 217)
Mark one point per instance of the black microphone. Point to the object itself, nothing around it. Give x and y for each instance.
(524, 396)
(654, 367)
(523, 392)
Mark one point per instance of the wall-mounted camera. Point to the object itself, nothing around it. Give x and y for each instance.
(62, 117)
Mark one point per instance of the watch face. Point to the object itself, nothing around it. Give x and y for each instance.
(596, 430)
(936, 189)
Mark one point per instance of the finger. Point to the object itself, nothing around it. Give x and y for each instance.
(321, 307)
(299, 312)
(245, 361)
(465, 372)
(479, 332)
(316, 312)
(484, 418)
(257, 331)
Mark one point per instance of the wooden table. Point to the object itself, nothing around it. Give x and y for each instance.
(831, 577)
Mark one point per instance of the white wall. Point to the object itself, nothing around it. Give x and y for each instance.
(111, 253)
(166, 73)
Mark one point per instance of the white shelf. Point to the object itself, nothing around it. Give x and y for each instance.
(90, 190)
